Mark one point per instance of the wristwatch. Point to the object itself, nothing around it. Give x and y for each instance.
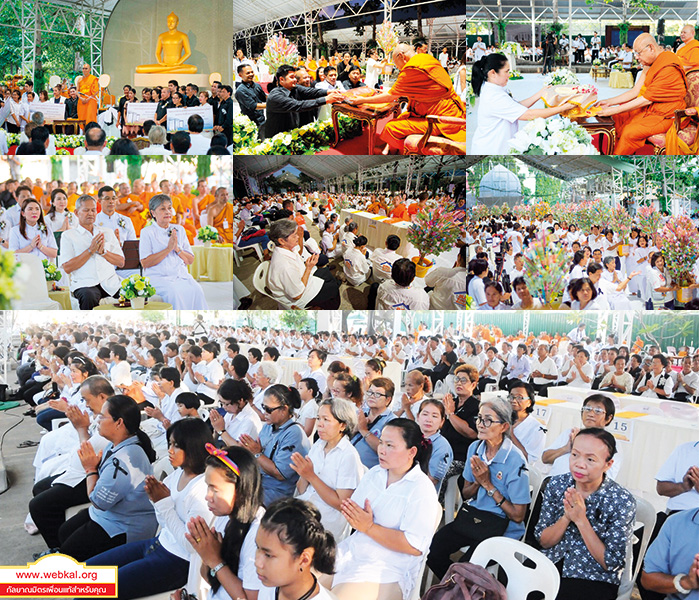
(490, 493)
(677, 584)
(216, 569)
(258, 454)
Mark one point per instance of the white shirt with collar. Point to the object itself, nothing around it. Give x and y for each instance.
(117, 221)
(97, 270)
(199, 144)
(284, 279)
(382, 262)
(450, 288)
(391, 296)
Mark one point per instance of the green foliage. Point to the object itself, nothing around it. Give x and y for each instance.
(643, 4)
(297, 319)
(152, 316)
(204, 167)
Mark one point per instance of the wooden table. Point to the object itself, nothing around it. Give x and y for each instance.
(365, 113)
(76, 126)
(148, 306)
(599, 71)
(604, 126)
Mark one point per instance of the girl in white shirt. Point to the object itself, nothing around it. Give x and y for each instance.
(498, 113)
(158, 565)
(332, 470)
(209, 373)
(59, 218)
(394, 512)
(235, 397)
(307, 413)
(355, 265)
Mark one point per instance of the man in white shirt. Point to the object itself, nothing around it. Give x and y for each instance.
(199, 144)
(479, 49)
(657, 383)
(384, 258)
(240, 59)
(444, 58)
(595, 46)
(95, 140)
(578, 334)
(686, 389)
(109, 218)
(543, 370)
(89, 254)
(518, 367)
(396, 293)
(449, 285)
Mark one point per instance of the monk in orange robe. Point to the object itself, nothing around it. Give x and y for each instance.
(400, 211)
(88, 90)
(72, 195)
(428, 87)
(687, 52)
(131, 205)
(416, 207)
(648, 108)
(204, 198)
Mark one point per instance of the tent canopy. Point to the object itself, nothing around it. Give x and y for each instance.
(567, 168)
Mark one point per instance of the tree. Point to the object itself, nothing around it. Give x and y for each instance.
(297, 319)
(153, 316)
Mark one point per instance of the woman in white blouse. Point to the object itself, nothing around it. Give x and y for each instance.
(661, 285)
(332, 470)
(32, 236)
(235, 397)
(19, 113)
(374, 69)
(59, 218)
(160, 564)
(208, 372)
(498, 113)
(394, 512)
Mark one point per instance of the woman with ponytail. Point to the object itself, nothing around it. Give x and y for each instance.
(120, 510)
(498, 113)
(394, 511)
(291, 542)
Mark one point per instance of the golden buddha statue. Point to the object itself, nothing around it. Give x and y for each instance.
(171, 45)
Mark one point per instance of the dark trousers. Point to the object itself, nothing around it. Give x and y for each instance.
(372, 296)
(548, 64)
(45, 417)
(584, 589)
(541, 390)
(89, 297)
(445, 543)
(49, 504)
(82, 538)
(24, 372)
(145, 568)
(31, 389)
(483, 382)
(329, 296)
(594, 54)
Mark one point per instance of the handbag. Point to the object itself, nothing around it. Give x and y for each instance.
(465, 581)
(478, 525)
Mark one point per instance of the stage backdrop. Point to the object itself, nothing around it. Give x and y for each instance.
(134, 27)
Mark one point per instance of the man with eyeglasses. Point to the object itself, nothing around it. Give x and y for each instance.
(598, 411)
(649, 107)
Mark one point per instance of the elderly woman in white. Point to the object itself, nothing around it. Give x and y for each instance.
(293, 281)
(32, 236)
(498, 112)
(165, 254)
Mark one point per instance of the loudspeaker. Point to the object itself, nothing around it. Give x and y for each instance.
(661, 27)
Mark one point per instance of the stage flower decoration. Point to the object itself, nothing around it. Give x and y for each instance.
(618, 67)
(245, 132)
(136, 286)
(435, 230)
(597, 63)
(679, 246)
(387, 37)
(621, 222)
(539, 210)
(649, 220)
(11, 279)
(552, 136)
(51, 271)
(511, 48)
(207, 234)
(546, 270)
(562, 76)
(279, 51)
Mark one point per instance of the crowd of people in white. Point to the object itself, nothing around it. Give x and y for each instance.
(365, 458)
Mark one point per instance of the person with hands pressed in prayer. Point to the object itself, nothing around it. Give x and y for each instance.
(378, 398)
(586, 520)
(236, 399)
(31, 236)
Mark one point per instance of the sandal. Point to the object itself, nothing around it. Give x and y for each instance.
(28, 444)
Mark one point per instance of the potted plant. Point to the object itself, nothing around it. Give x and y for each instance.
(136, 289)
(546, 271)
(679, 247)
(52, 275)
(207, 234)
(434, 231)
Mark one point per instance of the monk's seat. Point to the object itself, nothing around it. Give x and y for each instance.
(435, 145)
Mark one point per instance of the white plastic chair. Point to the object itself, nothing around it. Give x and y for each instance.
(35, 296)
(522, 579)
(646, 516)
(162, 468)
(238, 252)
(74, 510)
(260, 281)
(416, 591)
(453, 498)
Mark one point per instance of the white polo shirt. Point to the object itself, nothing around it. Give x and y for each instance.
(382, 261)
(247, 421)
(284, 279)
(674, 469)
(450, 285)
(497, 118)
(97, 270)
(117, 222)
(356, 266)
(546, 367)
(391, 296)
(577, 381)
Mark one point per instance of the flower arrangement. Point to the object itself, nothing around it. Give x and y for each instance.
(597, 62)
(589, 213)
(481, 211)
(63, 142)
(51, 271)
(621, 222)
(649, 220)
(546, 270)
(539, 210)
(245, 132)
(435, 230)
(207, 234)
(279, 51)
(136, 286)
(562, 76)
(9, 281)
(511, 48)
(552, 136)
(515, 75)
(679, 246)
(387, 37)
(618, 67)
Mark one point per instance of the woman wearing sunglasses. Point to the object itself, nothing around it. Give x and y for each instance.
(372, 419)
(496, 489)
(280, 437)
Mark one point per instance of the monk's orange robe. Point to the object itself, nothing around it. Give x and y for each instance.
(311, 67)
(323, 62)
(400, 212)
(37, 192)
(136, 217)
(180, 208)
(224, 223)
(665, 86)
(205, 201)
(688, 54)
(429, 90)
(71, 201)
(414, 209)
(374, 208)
(89, 86)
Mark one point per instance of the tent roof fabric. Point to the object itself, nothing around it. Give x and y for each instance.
(565, 167)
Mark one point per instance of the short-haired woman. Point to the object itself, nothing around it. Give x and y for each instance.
(371, 421)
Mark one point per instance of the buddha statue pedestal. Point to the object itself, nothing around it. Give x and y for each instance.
(142, 80)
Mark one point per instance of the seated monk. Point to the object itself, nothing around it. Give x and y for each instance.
(171, 44)
(687, 52)
(220, 216)
(648, 108)
(130, 205)
(204, 198)
(416, 207)
(400, 211)
(377, 205)
(428, 87)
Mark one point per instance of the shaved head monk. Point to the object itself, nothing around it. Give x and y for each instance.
(648, 108)
(428, 87)
(687, 52)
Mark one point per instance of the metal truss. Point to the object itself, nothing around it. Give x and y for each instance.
(240, 172)
(85, 18)
(6, 323)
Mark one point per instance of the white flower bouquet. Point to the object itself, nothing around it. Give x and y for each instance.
(562, 76)
(553, 136)
(511, 48)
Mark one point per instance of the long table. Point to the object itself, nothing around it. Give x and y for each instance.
(376, 230)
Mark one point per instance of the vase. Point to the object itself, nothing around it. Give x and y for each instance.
(683, 295)
(207, 244)
(49, 286)
(138, 303)
(422, 269)
(623, 250)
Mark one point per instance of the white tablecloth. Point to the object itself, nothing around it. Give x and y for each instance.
(376, 230)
